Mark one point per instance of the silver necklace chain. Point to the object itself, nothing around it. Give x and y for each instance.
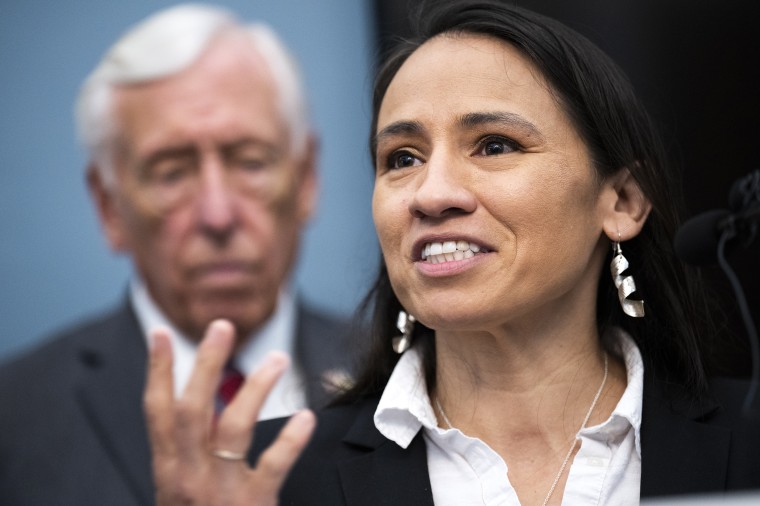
(575, 441)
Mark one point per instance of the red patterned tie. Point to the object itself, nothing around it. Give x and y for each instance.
(232, 379)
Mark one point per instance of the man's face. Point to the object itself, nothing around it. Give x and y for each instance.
(209, 197)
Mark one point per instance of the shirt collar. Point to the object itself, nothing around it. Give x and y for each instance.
(628, 408)
(405, 406)
(277, 333)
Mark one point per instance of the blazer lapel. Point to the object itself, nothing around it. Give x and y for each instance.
(322, 350)
(110, 393)
(680, 454)
(386, 474)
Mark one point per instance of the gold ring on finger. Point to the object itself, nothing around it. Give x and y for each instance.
(228, 455)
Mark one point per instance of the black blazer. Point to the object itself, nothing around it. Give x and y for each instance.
(72, 430)
(686, 449)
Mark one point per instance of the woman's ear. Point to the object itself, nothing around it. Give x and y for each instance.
(626, 206)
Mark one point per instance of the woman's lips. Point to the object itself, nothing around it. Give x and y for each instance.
(450, 256)
(449, 251)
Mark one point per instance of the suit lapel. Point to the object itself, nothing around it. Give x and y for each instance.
(322, 353)
(386, 473)
(679, 454)
(109, 391)
(308, 356)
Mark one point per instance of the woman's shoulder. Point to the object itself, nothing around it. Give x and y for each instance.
(335, 424)
(725, 400)
(692, 445)
(738, 402)
(348, 457)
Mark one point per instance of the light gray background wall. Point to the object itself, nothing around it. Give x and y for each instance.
(55, 267)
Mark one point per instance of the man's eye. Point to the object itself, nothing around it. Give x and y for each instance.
(252, 164)
(252, 159)
(402, 159)
(171, 174)
(492, 146)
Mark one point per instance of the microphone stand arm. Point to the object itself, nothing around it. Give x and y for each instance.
(729, 232)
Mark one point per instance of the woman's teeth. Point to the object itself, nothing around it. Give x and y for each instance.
(448, 251)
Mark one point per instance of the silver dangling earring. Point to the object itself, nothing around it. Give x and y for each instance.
(405, 324)
(625, 284)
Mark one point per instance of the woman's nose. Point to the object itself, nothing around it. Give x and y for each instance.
(443, 190)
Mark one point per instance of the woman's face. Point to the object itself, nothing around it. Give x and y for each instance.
(486, 203)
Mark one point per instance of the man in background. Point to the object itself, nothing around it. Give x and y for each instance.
(202, 170)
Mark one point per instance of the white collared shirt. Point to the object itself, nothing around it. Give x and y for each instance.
(278, 333)
(465, 471)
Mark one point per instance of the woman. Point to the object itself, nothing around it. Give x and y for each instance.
(513, 165)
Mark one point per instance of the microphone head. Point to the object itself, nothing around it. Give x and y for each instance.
(745, 192)
(696, 241)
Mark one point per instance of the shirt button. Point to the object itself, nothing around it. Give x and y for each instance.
(595, 462)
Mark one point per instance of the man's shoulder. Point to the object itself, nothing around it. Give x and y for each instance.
(320, 320)
(72, 419)
(323, 332)
(327, 349)
(59, 345)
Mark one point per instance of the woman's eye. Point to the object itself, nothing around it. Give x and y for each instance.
(492, 146)
(402, 159)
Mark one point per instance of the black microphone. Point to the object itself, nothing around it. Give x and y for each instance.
(707, 237)
(745, 192)
(696, 241)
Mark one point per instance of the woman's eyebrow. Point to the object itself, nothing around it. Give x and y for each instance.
(513, 120)
(468, 120)
(397, 128)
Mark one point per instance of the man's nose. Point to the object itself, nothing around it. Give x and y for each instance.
(217, 205)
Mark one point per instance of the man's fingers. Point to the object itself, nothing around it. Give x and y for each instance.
(158, 399)
(213, 353)
(235, 427)
(277, 461)
(194, 410)
(186, 463)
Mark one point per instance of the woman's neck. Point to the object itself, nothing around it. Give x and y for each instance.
(513, 390)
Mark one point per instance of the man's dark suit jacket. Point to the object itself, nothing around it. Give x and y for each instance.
(686, 449)
(72, 430)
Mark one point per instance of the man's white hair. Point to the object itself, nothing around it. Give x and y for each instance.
(165, 44)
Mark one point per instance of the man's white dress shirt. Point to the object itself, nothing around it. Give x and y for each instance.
(278, 333)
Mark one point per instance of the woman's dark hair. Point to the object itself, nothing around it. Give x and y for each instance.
(601, 103)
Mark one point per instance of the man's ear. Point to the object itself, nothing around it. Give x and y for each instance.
(626, 206)
(308, 183)
(104, 197)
